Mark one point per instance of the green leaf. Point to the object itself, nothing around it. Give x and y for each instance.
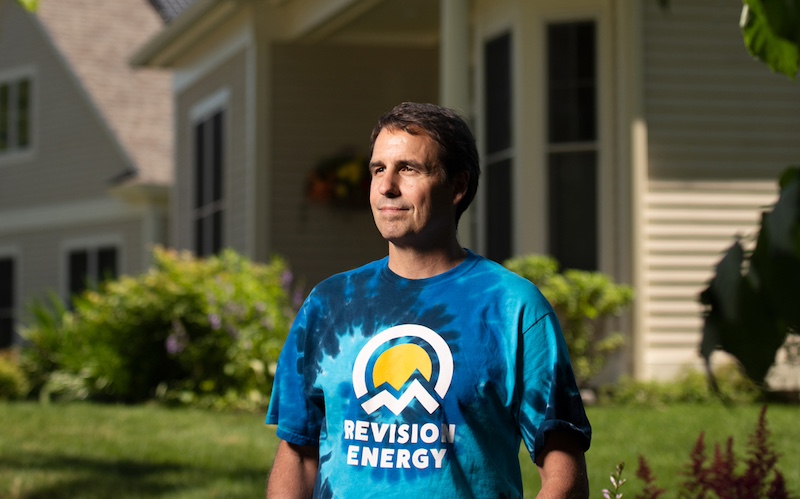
(30, 5)
(771, 30)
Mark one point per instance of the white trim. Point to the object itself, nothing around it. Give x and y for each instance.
(57, 216)
(210, 105)
(250, 139)
(8, 75)
(632, 158)
(186, 76)
(491, 22)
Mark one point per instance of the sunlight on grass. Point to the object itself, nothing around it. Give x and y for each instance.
(99, 451)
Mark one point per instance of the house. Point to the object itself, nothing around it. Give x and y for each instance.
(615, 135)
(85, 149)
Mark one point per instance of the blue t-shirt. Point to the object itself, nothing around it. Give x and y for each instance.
(419, 386)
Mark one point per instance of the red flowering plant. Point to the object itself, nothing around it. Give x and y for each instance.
(341, 181)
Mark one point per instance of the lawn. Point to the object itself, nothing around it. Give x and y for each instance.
(100, 451)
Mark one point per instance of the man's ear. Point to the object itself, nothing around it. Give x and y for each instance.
(460, 186)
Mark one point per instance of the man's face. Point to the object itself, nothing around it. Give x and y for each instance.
(412, 202)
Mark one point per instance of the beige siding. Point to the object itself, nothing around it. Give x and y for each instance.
(74, 157)
(41, 255)
(712, 110)
(689, 226)
(326, 99)
(230, 76)
(721, 128)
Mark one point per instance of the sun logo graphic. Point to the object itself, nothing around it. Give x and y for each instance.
(396, 365)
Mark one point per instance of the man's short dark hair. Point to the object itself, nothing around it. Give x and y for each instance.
(457, 151)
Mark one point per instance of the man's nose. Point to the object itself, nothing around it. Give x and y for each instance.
(388, 185)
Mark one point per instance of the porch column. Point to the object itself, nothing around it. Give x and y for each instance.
(454, 77)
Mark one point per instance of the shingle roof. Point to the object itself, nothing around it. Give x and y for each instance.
(97, 39)
(169, 10)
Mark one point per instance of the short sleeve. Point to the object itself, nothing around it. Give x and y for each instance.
(548, 394)
(297, 418)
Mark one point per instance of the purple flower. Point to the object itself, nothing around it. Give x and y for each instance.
(177, 340)
(215, 321)
(286, 279)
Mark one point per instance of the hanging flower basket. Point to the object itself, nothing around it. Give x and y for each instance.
(340, 181)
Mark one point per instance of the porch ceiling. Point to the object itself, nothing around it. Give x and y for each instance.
(404, 22)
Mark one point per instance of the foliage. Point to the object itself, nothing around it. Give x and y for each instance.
(691, 387)
(751, 302)
(13, 384)
(30, 5)
(340, 181)
(723, 475)
(616, 483)
(192, 331)
(771, 31)
(584, 301)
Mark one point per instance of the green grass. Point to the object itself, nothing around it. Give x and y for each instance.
(100, 451)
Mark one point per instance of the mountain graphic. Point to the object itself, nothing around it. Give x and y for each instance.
(414, 391)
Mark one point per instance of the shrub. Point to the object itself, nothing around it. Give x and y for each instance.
(723, 475)
(584, 301)
(192, 331)
(13, 384)
(691, 387)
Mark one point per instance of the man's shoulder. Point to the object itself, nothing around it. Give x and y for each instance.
(485, 268)
(353, 276)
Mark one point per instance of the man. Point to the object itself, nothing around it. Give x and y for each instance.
(423, 371)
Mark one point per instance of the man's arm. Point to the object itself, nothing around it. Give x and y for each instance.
(562, 468)
(294, 472)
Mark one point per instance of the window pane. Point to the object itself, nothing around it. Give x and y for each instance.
(106, 263)
(216, 159)
(498, 93)
(199, 237)
(6, 284)
(199, 165)
(6, 331)
(23, 113)
(499, 214)
(216, 238)
(573, 209)
(78, 271)
(5, 116)
(571, 82)
(6, 302)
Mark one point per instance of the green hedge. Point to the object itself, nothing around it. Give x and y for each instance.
(194, 331)
(583, 301)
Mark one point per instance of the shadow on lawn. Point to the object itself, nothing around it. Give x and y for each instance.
(68, 477)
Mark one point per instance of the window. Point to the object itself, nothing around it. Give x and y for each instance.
(572, 144)
(208, 175)
(7, 302)
(87, 267)
(15, 115)
(498, 138)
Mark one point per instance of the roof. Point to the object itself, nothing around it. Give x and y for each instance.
(96, 39)
(169, 10)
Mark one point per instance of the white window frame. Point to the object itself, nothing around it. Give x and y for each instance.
(10, 76)
(217, 102)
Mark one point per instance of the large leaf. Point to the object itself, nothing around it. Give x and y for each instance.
(771, 30)
(30, 5)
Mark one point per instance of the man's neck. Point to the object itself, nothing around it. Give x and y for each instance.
(413, 263)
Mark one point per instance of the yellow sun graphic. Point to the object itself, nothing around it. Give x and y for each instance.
(397, 364)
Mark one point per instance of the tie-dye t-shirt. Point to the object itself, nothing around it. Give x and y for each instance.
(424, 386)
